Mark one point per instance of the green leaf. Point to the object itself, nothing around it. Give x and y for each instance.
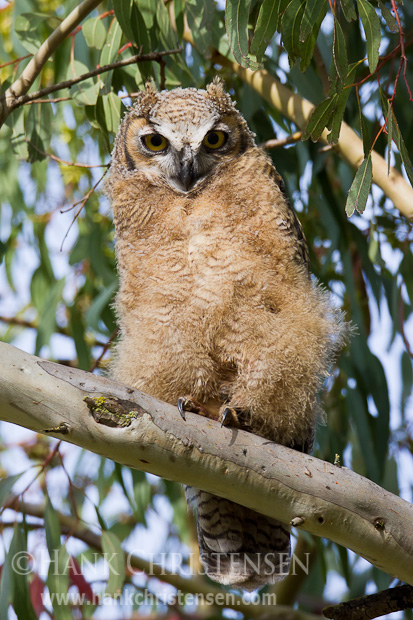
(388, 17)
(6, 486)
(340, 52)
(47, 318)
(5, 585)
(132, 23)
(179, 7)
(358, 414)
(290, 28)
(236, 24)
(360, 188)
(372, 30)
(312, 11)
(142, 494)
(28, 30)
(94, 32)
(165, 33)
(349, 11)
(115, 559)
(404, 154)
(38, 131)
(407, 377)
(86, 92)
(200, 16)
(19, 586)
(320, 118)
(52, 528)
(266, 25)
(93, 315)
(123, 12)
(148, 11)
(58, 583)
(77, 327)
(340, 108)
(306, 49)
(109, 53)
(112, 106)
(18, 143)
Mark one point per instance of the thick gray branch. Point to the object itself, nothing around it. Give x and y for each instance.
(323, 499)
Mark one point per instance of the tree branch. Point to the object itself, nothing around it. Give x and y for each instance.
(25, 80)
(323, 499)
(373, 605)
(349, 145)
(152, 56)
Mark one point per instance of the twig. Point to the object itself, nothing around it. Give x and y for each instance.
(82, 204)
(62, 161)
(276, 143)
(47, 460)
(105, 348)
(152, 56)
(23, 83)
(56, 100)
(17, 61)
(372, 606)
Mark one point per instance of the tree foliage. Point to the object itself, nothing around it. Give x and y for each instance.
(350, 60)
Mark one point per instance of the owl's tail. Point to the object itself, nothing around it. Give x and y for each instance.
(238, 546)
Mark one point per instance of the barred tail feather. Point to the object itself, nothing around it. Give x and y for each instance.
(238, 546)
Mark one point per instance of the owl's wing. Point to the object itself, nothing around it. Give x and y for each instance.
(289, 222)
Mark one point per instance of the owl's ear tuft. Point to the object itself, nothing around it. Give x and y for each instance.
(216, 87)
(150, 86)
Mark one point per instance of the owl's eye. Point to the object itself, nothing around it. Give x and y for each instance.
(215, 139)
(155, 142)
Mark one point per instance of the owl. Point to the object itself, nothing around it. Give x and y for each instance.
(217, 309)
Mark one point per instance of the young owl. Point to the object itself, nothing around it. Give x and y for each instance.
(217, 309)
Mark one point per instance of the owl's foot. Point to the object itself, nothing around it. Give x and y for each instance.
(186, 403)
(229, 417)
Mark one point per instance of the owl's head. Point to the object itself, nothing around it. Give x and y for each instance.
(181, 136)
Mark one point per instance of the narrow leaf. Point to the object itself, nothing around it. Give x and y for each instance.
(19, 586)
(360, 188)
(312, 11)
(112, 109)
(115, 559)
(52, 528)
(200, 16)
(290, 30)
(340, 52)
(372, 30)
(388, 17)
(349, 11)
(340, 107)
(58, 583)
(236, 24)
(265, 27)
(306, 49)
(319, 119)
(6, 486)
(110, 51)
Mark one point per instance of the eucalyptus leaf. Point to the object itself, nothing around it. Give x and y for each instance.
(360, 188)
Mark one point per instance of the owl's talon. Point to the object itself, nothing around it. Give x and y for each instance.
(230, 418)
(184, 404)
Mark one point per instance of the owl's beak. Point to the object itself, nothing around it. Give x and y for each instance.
(187, 171)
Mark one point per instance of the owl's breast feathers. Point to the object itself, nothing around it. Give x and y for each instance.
(219, 236)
